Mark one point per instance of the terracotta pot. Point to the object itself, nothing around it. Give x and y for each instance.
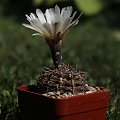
(91, 106)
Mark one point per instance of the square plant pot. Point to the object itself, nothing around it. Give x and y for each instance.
(90, 106)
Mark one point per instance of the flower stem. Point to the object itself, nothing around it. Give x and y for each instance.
(56, 53)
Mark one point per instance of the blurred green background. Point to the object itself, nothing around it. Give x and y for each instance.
(93, 46)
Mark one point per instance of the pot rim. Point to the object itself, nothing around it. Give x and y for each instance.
(102, 89)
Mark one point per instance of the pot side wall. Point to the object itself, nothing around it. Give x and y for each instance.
(82, 107)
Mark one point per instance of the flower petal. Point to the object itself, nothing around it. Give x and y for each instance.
(40, 28)
(33, 16)
(35, 26)
(40, 16)
(74, 22)
(46, 26)
(73, 15)
(66, 12)
(57, 13)
(50, 15)
(28, 26)
(36, 34)
(68, 21)
(29, 18)
(69, 10)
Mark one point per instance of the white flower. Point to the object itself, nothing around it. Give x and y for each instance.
(54, 23)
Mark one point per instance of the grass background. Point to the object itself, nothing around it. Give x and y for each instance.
(93, 46)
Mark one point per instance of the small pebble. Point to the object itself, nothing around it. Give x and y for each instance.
(52, 96)
(58, 93)
(79, 93)
(88, 92)
(58, 97)
(45, 94)
(50, 93)
(62, 96)
(70, 94)
(91, 88)
(97, 88)
(65, 94)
